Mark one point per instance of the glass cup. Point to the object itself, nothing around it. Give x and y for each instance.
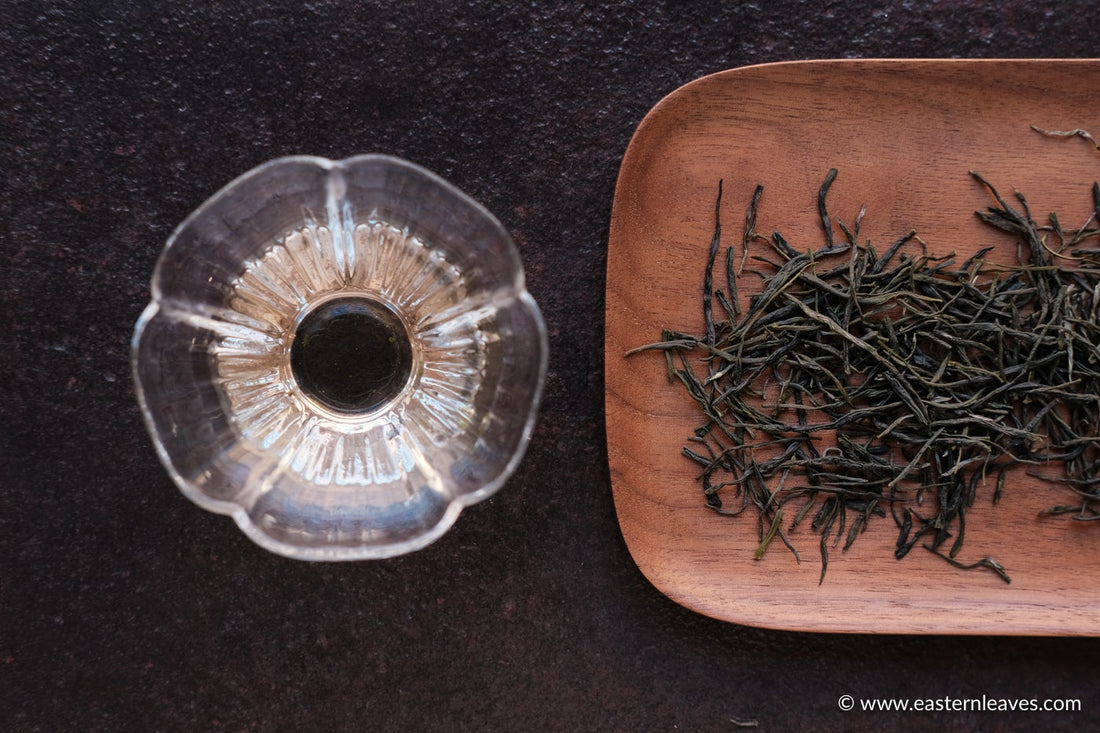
(340, 355)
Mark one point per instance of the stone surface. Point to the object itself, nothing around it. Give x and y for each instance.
(123, 606)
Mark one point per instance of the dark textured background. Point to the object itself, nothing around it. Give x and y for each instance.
(124, 606)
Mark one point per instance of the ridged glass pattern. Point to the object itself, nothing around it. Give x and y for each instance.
(236, 429)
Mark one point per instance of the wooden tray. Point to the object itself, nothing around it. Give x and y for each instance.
(903, 135)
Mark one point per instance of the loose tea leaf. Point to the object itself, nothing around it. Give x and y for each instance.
(859, 385)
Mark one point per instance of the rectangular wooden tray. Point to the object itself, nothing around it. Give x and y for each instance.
(903, 135)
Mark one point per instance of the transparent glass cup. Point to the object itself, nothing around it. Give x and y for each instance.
(340, 355)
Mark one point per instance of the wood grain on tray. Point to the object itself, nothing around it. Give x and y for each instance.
(903, 136)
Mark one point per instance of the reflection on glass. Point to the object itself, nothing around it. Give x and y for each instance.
(340, 355)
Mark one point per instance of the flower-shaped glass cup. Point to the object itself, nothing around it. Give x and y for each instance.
(340, 355)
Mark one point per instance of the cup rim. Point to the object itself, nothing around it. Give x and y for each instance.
(158, 307)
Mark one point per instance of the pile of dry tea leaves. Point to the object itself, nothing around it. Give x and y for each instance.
(860, 384)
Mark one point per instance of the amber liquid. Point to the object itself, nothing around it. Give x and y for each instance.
(351, 354)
